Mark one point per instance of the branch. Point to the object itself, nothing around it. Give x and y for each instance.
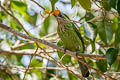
(38, 4)
(29, 63)
(73, 54)
(8, 72)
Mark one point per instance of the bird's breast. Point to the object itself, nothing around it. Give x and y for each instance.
(67, 36)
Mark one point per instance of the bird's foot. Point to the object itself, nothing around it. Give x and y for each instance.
(77, 54)
(65, 50)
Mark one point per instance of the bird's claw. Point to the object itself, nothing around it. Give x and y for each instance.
(65, 50)
(77, 54)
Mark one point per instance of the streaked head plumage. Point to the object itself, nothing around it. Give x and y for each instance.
(59, 16)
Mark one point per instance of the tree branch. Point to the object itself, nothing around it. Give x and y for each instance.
(73, 54)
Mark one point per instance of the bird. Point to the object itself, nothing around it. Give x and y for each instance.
(71, 38)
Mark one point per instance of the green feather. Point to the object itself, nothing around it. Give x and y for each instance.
(72, 39)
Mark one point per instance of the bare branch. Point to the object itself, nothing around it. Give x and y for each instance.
(29, 63)
(73, 54)
(8, 72)
(38, 4)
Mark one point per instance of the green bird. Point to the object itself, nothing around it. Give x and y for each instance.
(71, 38)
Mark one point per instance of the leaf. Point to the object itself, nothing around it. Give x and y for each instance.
(72, 77)
(106, 5)
(20, 6)
(53, 3)
(60, 43)
(90, 30)
(105, 31)
(89, 16)
(117, 37)
(116, 65)
(118, 7)
(86, 4)
(100, 63)
(36, 63)
(2, 16)
(93, 45)
(33, 19)
(5, 76)
(14, 24)
(113, 3)
(29, 46)
(111, 55)
(115, 24)
(45, 27)
(65, 58)
(73, 2)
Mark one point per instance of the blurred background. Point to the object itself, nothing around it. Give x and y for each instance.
(16, 52)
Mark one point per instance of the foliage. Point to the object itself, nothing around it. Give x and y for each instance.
(97, 20)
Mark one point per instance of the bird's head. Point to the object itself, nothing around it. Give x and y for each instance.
(61, 18)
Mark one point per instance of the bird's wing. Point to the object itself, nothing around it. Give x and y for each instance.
(80, 37)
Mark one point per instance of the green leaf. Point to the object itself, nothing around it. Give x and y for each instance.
(73, 2)
(2, 16)
(90, 30)
(29, 46)
(33, 19)
(5, 76)
(106, 5)
(116, 65)
(15, 25)
(117, 37)
(105, 31)
(72, 77)
(12, 59)
(53, 3)
(45, 27)
(86, 4)
(20, 6)
(118, 7)
(93, 45)
(100, 63)
(36, 63)
(60, 43)
(111, 55)
(115, 24)
(66, 59)
(113, 3)
(89, 16)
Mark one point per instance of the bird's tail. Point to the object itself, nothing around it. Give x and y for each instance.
(84, 69)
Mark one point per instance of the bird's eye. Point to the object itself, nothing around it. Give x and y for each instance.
(60, 15)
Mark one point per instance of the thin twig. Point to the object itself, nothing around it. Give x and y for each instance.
(38, 4)
(29, 63)
(6, 70)
(83, 16)
(31, 52)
